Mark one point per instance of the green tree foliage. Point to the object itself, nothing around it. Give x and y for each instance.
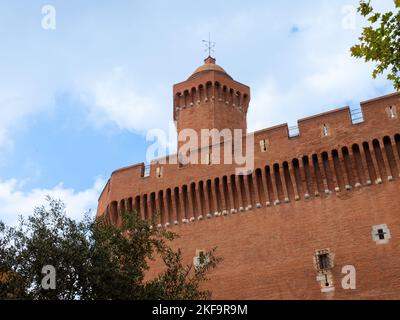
(380, 42)
(95, 260)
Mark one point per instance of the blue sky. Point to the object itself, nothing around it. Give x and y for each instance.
(76, 102)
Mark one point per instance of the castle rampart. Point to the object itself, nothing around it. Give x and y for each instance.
(322, 197)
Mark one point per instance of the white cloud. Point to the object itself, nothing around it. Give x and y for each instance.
(327, 88)
(19, 99)
(114, 98)
(14, 201)
(324, 77)
(321, 91)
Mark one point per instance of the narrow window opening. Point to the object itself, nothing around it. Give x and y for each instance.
(325, 130)
(392, 113)
(201, 259)
(323, 261)
(159, 172)
(264, 145)
(381, 234)
(146, 171)
(324, 265)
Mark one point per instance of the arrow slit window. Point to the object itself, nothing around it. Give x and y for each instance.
(264, 145)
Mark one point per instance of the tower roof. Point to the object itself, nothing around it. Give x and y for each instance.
(209, 66)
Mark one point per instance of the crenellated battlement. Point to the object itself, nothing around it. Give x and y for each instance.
(330, 156)
(188, 95)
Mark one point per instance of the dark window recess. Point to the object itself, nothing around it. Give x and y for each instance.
(324, 261)
(381, 234)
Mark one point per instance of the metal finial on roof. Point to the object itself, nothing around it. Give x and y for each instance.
(210, 45)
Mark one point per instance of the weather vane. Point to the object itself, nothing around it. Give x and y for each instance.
(210, 45)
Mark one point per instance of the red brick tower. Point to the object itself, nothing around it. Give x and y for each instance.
(211, 99)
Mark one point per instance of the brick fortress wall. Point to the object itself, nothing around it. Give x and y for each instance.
(324, 188)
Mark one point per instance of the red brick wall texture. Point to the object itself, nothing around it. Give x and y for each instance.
(324, 188)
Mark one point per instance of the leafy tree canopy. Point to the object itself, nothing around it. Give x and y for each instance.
(380, 41)
(95, 260)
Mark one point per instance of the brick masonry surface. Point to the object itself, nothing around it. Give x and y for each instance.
(324, 188)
